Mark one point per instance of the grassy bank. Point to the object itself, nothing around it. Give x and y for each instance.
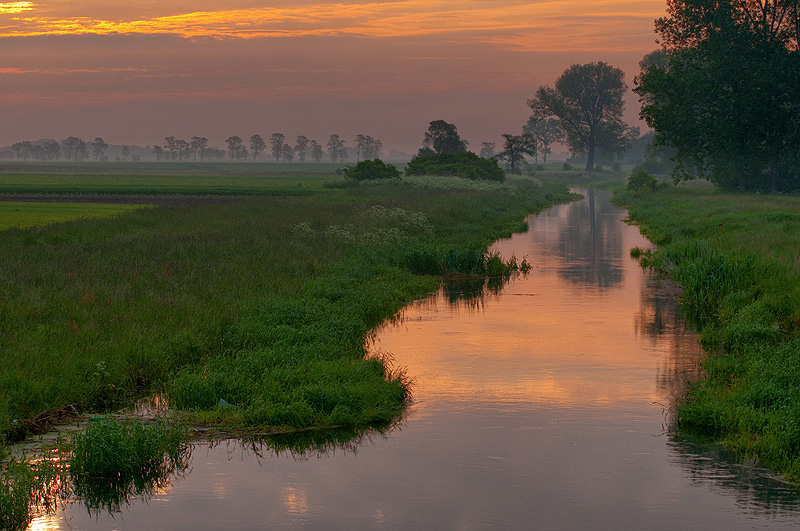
(245, 312)
(736, 257)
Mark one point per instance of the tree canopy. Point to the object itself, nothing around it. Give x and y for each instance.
(442, 137)
(587, 101)
(723, 91)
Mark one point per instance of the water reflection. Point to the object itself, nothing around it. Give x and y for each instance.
(755, 489)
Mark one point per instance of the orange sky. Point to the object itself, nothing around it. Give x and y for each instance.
(137, 72)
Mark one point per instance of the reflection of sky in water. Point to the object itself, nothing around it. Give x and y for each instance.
(540, 408)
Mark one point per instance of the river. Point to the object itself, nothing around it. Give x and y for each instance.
(542, 406)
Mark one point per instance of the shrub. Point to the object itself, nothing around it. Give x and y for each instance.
(467, 165)
(641, 180)
(368, 170)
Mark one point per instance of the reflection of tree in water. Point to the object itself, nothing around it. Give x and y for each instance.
(754, 489)
(591, 242)
(661, 319)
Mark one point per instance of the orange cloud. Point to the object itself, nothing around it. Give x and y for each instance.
(15, 7)
(527, 25)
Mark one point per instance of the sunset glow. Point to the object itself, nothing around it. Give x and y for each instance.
(265, 61)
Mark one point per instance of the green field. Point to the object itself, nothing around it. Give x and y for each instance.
(165, 178)
(22, 214)
(260, 301)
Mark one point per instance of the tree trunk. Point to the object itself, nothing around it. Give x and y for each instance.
(590, 157)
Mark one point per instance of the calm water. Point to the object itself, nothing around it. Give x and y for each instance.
(541, 407)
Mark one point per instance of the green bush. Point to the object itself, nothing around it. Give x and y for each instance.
(368, 170)
(466, 165)
(641, 180)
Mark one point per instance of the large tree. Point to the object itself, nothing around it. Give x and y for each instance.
(235, 147)
(301, 147)
(442, 137)
(336, 149)
(199, 144)
(723, 91)
(587, 101)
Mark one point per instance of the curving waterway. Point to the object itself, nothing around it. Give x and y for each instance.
(542, 406)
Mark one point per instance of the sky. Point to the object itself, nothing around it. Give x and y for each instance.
(135, 71)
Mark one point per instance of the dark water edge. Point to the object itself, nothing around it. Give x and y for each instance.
(543, 406)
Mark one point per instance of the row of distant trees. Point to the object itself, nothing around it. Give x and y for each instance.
(197, 148)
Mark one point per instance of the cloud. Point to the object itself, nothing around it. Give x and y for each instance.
(496, 22)
(15, 7)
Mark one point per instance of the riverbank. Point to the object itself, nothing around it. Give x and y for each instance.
(736, 258)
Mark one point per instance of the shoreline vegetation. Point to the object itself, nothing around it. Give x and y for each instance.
(735, 256)
(246, 314)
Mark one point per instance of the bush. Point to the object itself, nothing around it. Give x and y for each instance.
(466, 165)
(368, 170)
(641, 180)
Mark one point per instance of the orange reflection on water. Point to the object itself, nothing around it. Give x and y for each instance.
(584, 329)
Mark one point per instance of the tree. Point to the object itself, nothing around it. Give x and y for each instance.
(257, 146)
(544, 133)
(302, 147)
(98, 148)
(199, 144)
(184, 149)
(487, 149)
(723, 93)
(587, 101)
(52, 149)
(514, 150)
(158, 151)
(171, 146)
(336, 149)
(234, 146)
(316, 151)
(70, 147)
(126, 150)
(276, 142)
(81, 151)
(442, 137)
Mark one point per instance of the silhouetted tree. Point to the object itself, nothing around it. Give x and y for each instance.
(288, 153)
(276, 142)
(302, 147)
(98, 148)
(587, 100)
(234, 146)
(544, 133)
(52, 149)
(199, 144)
(316, 151)
(487, 149)
(171, 146)
(257, 146)
(70, 146)
(336, 149)
(184, 149)
(514, 150)
(158, 151)
(442, 137)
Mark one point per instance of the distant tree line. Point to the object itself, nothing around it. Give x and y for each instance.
(197, 149)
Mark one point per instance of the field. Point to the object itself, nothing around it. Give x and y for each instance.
(245, 310)
(737, 259)
(30, 213)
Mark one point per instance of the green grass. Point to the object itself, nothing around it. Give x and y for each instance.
(165, 178)
(737, 258)
(27, 214)
(180, 298)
